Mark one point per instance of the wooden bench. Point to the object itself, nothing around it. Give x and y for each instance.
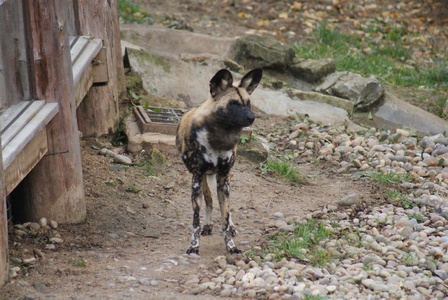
(22, 126)
(24, 138)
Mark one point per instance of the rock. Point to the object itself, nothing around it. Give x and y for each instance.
(313, 70)
(157, 158)
(253, 151)
(56, 240)
(53, 224)
(263, 52)
(34, 226)
(349, 200)
(364, 92)
(121, 159)
(43, 222)
(279, 215)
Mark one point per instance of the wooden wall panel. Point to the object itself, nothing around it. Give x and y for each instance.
(14, 60)
(98, 113)
(4, 265)
(54, 188)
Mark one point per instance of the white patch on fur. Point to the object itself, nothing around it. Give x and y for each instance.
(195, 185)
(210, 155)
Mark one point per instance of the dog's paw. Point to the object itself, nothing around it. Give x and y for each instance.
(193, 250)
(207, 230)
(234, 250)
(232, 231)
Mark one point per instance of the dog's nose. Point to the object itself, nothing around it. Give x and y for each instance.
(250, 117)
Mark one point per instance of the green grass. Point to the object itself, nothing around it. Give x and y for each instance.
(302, 243)
(131, 12)
(79, 262)
(390, 177)
(386, 58)
(286, 169)
(400, 199)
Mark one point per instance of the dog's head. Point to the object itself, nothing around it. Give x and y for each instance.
(232, 107)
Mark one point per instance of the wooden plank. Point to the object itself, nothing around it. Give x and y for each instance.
(21, 121)
(4, 264)
(25, 161)
(100, 71)
(14, 54)
(83, 86)
(98, 113)
(11, 113)
(85, 58)
(78, 47)
(28, 132)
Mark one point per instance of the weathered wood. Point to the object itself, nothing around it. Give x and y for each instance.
(25, 161)
(4, 265)
(100, 72)
(60, 196)
(31, 129)
(98, 113)
(83, 53)
(14, 55)
(16, 124)
(84, 84)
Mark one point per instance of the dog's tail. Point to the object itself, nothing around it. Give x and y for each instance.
(211, 182)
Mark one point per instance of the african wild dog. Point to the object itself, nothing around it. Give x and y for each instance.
(206, 139)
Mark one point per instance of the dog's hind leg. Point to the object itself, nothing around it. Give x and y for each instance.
(227, 226)
(208, 184)
(196, 192)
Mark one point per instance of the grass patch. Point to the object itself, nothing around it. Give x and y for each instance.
(130, 12)
(79, 262)
(387, 57)
(400, 199)
(390, 177)
(387, 177)
(302, 243)
(286, 169)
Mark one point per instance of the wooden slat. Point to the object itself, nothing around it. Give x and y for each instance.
(84, 60)
(28, 132)
(11, 113)
(21, 120)
(78, 47)
(83, 86)
(25, 161)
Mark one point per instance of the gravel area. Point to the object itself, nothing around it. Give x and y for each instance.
(395, 250)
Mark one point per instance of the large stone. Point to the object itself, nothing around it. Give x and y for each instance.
(312, 70)
(263, 52)
(253, 151)
(364, 92)
(395, 113)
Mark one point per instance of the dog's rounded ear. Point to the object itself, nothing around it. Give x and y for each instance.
(222, 80)
(251, 80)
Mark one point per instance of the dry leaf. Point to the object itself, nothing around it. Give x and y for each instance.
(283, 15)
(296, 5)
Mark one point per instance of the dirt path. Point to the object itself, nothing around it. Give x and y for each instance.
(139, 227)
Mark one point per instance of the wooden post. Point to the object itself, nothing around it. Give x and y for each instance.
(4, 265)
(54, 188)
(98, 113)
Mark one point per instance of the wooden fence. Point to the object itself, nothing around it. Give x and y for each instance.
(60, 73)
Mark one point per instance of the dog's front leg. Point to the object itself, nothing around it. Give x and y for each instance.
(196, 192)
(228, 229)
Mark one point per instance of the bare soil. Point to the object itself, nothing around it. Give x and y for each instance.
(136, 221)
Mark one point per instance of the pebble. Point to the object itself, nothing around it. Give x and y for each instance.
(394, 252)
